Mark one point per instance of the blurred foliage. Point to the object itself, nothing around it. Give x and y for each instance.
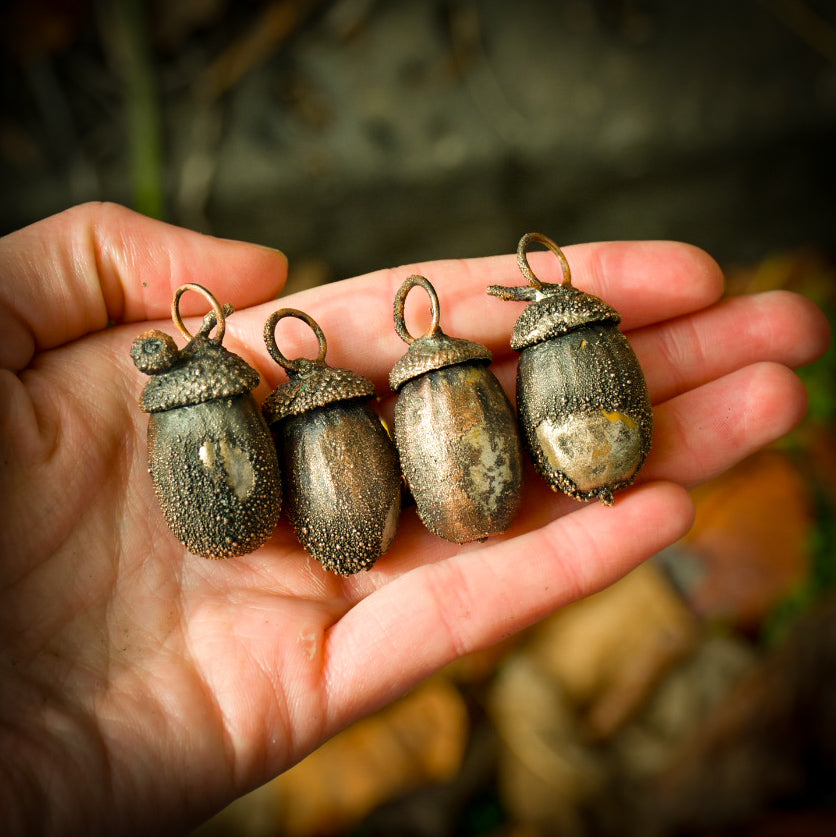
(812, 446)
(819, 378)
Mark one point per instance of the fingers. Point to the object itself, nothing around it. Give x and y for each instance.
(645, 281)
(434, 614)
(687, 352)
(701, 342)
(706, 430)
(71, 274)
(696, 436)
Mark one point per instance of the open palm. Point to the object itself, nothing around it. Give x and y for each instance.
(141, 687)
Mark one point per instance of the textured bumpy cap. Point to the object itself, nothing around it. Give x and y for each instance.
(554, 310)
(314, 384)
(202, 371)
(435, 352)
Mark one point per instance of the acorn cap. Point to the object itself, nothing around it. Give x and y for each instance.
(561, 310)
(203, 371)
(435, 351)
(315, 384)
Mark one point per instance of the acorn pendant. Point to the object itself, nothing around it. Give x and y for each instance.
(211, 457)
(342, 482)
(455, 431)
(582, 399)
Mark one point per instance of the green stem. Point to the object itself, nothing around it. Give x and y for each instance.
(142, 105)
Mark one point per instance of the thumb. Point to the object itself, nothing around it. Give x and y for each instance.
(99, 263)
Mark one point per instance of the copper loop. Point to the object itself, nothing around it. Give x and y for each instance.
(522, 260)
(220, 319)
(400, 303)
(286, 363)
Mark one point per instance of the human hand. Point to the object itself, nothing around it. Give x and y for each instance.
(142, 688)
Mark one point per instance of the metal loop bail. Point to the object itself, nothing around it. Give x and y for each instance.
(297, 364)
(522, 260)
(220, 319)
(400, 303)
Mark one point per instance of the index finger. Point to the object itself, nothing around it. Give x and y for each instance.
(645, 281)
(72, 273)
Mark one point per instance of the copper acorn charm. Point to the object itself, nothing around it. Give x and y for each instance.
(454, 430)
(581, 395)
(211, 457)
(342, 483)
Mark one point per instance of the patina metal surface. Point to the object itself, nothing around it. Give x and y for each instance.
(211, 456)
(455, 431)
(216, 475)
(342, 483)
(583, 404)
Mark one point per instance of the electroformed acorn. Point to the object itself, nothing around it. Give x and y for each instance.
(455, 431)
(582, 399)
(342, 483)
(211, 456)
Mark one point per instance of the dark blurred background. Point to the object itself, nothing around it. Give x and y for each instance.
(697, 696)
(356, 134)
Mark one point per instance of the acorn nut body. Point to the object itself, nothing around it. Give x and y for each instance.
(455, 432)
(211, 456)
(582, 400)
(342, 483)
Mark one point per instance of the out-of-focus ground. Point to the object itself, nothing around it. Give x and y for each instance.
(357, 134)
(697, 696)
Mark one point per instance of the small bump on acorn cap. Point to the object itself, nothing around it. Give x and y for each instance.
(204, 371)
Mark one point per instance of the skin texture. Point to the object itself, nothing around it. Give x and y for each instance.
(142, 688)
